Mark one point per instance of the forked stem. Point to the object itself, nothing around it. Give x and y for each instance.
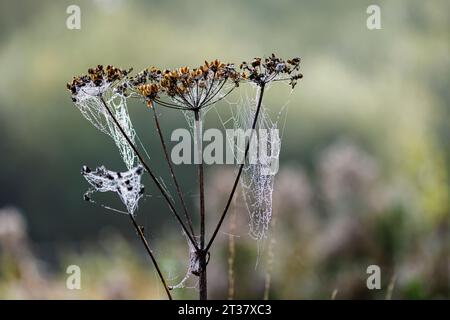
(158, 184)
(172, 171)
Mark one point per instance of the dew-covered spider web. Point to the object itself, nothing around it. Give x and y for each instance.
(88, 101)
(126, 184)
(193, 268)
(258, 175)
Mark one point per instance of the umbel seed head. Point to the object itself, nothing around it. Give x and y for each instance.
(186, 88)
(97, 77)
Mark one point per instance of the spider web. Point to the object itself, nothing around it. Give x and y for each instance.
(89, 103)
(126, 184)
(257, 179)
(193, 268)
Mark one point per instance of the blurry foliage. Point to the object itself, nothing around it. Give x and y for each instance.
(374, 102)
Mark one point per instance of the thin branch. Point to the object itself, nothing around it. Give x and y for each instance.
(198, 96)
(209, 90)
(169, 105)
(149, 251)
(155, 180)
(214, 93)
(172, 172)
(199, 151)
(222, 97)
(236, 181)
(186, 101)
(203, 287)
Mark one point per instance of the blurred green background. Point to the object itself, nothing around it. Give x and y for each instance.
(364, 171)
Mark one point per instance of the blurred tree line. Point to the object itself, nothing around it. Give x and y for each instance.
(383, 93)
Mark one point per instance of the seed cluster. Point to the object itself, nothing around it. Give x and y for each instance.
(182, 80)
(186, 88)
(97, 77)
(149, 92)
(192, 88)
(272, 68)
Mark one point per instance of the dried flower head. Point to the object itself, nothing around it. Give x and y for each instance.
(100, 96)
(96, 81)
(262, 71)
(187, 89)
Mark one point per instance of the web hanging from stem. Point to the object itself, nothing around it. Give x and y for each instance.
(88, 101)
(193, 268)
(126, 184)
(258, 175)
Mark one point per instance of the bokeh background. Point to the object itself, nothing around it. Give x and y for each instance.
(364, 171)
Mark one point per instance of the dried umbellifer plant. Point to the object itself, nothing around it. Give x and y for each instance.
(102, 95)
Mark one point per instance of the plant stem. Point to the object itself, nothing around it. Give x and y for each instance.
(172, 172)
(158, 184)
(241, 167)
(203, 287)
(147, 247)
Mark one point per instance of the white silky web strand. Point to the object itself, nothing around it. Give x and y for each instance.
(126, 184)
(257, 179)
(91, 106)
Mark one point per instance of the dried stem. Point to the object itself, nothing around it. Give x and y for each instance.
(203, 288)
(390, 289)
(158, 184)
(334, 294)
(241, 167)
(149, 251)
(172, 172)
